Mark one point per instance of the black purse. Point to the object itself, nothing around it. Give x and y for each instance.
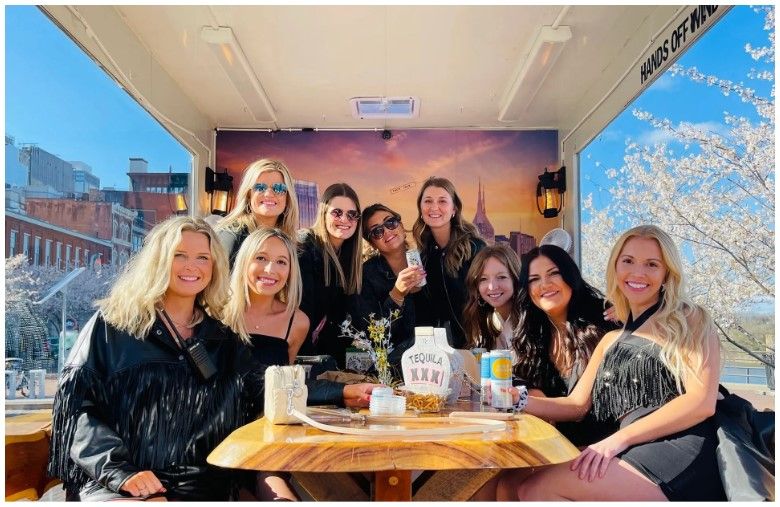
(746, 449)
(195, 351)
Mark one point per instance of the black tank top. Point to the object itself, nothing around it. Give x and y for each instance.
(271, 350)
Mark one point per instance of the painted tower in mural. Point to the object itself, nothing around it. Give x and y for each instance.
(481, 221)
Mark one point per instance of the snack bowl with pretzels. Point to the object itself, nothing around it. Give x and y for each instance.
(422, 400)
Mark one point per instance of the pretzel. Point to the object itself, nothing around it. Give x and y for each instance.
(425, 402)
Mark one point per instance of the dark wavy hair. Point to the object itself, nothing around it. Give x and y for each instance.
(585, 324)
(477, 314)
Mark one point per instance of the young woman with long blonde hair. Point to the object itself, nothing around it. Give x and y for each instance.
(657, 379)
(155, 381)
(265, 198)
(266, 291)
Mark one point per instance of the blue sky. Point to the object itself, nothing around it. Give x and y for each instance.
(57, 97)
(721, 52)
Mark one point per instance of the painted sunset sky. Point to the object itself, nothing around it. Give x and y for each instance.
(391, 172)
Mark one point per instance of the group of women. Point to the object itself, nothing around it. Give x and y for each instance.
(139, 408)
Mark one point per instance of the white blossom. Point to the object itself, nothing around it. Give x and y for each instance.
(716, 198)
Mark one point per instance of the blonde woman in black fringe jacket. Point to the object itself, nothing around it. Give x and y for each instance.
(134, 417)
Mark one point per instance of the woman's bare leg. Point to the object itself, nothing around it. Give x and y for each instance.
(274, 486)
(558, 482)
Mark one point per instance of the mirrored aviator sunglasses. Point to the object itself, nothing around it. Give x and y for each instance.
(352, 215)
(276, 188)
(390, 223)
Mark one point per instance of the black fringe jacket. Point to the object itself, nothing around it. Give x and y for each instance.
(126, 404)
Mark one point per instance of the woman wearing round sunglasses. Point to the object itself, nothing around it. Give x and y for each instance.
(448, 243)
(330, 256)
(265, 198)
(389, 283)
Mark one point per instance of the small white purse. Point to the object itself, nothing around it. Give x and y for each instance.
(285, 393)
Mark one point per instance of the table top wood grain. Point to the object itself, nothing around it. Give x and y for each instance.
(527, 442)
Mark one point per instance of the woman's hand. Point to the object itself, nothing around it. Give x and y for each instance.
(595, 459)
(408, 278)
(143, 484)
(358, 395)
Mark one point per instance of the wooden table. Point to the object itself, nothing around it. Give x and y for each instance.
(324, 463)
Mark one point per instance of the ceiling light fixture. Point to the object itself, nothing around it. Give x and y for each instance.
(239, 71)
(545, 50)
(368, 108)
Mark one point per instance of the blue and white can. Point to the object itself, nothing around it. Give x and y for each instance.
(501, 378)
(484, 377)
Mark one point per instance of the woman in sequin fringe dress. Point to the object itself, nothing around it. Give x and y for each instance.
(658, 379)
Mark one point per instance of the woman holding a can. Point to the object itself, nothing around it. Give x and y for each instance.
(448, 243)
(390, 282)
(492, 312)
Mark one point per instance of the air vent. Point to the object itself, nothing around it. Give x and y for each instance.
(366, 108)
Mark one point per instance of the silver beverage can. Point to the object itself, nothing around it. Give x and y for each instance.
(484, 377)
(413, 259)
(501, 378)
(499, 390)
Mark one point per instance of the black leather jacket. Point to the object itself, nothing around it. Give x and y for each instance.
(126, 404)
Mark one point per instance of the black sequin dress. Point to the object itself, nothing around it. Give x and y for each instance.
(632, 382)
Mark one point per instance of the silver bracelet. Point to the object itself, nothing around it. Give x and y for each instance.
(523, 401)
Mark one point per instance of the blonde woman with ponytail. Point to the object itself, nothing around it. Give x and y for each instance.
(657, 378)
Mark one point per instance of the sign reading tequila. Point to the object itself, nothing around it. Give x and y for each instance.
(425, 366)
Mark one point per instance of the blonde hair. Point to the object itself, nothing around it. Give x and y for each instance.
(241, 215)
(132, 302)
(461, 231)
(239, 283)
(685, 347)
(352, 281)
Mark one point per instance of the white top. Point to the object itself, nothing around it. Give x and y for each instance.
(504, 340)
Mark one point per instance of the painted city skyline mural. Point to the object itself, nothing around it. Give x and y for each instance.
(494, 172)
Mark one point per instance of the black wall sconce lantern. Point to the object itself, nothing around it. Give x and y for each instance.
(219, 186)
(549, 192)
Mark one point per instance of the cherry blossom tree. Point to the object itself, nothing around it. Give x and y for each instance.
(713, 191)
(25, 283)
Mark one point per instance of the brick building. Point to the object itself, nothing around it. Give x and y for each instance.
(100, 220)
(47, 244)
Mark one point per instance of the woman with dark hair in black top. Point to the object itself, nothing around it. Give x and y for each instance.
(561, 322)
(389, 283)
(331, 258)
